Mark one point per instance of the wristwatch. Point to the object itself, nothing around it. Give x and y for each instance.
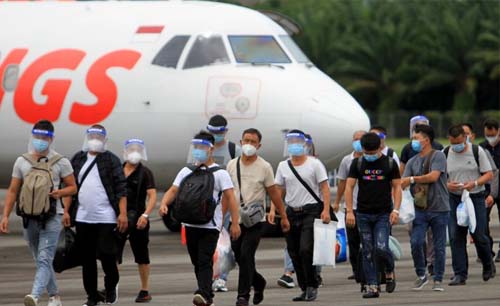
(145, 216)
(412, 180)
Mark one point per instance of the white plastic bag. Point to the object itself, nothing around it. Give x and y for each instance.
(469, 206)
(325, 236)
(223, 259)
(395, 248)
(407, 209)
(462, 216)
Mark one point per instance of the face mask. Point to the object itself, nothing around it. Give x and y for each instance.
(96, 145)
(40, 145)
(370, 157)
(467, 139)
(218, 138)
(356, 145)
(199, 155)
(491, 140)
(458, 147)
(416, 145)
(296, 149)
(134, 158)
(248, 150)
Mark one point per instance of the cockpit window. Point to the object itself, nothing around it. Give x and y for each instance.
(206, 51)
(299, 56)
(170, 53)
(257, 50)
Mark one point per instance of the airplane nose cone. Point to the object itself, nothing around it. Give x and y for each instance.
(334, 115)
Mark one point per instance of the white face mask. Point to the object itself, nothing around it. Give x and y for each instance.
(491, 140)
(95, 145)
(248, 150)
(134, 158)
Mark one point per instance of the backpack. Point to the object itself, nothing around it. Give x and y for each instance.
(390, 152)
(34, 201)
(194, 203)
(232, 149)
(475, 152)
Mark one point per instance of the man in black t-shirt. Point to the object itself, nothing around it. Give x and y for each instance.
(377, 175)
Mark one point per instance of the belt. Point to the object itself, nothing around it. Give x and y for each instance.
(304, 207)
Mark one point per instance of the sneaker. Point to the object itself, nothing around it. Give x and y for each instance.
(54, 301)
(371, 293)
(489, 273)
(420, 283)
(351, 277)
(390, 283)
(286, 281)
(219, 285)
(311, 294)
(457, 281)
(242, 301)
(30, 300)
(90, 302)
(438, 286)
(258, 293)
(143, 297)
(199, 300)
(112, 296)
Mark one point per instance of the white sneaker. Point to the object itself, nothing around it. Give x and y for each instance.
(30, 300)
(54, 301)
(219, 285)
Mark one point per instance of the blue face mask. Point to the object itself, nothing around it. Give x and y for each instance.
(458, 147)
(199, 155)
(40, 145)
(296, 149)
(416, 145)
(218, 138)
(356, 145)
(467, 140)
(370, 157)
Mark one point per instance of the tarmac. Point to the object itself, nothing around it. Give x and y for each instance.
(173, 281)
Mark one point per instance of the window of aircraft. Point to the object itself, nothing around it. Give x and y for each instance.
(206, 51)
(299, 56)
(10, 77)
(170, 53)
(257, 50)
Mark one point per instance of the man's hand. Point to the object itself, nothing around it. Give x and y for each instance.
(271, 216)
(350, 219)
(4, 225)
(285, 224)
(142, 222)
(455, 186)
(325, 216)
(163, 210)
(56, 194)
(336, 206)
(469, 186)
(394, 217)
(122, 222)
(66, 219)
(235, 231)
(489, 201)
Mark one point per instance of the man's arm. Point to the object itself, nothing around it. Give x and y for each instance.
(277, 202)
(397, 195)
(10, 199)
(234, 211)
(349, 188)
(340, 193)
(167, 199)
(143, 220)
(325, 190)
(428, 178)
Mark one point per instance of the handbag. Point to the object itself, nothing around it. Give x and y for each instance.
(421, 191)
(67, 255)
(251, 213)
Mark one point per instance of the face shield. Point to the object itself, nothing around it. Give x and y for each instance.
(420, 119)
(40, 141)
(309, 147)
(219, 132)
(295, 145)
(134, 151)
(95, 140)
(199, 151)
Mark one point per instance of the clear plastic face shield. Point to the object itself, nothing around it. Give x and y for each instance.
(95, 140)
(420, 119)
(219, 132)
(295, 145)
(200, 151)
(309, 147)
(134, 151)
(40, 142)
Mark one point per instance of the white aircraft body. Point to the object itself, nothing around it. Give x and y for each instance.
(158, 71)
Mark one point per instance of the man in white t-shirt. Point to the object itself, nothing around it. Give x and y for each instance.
(202, 238)
(42, 236)
(353, 238)
(302, 208)
(253, 177)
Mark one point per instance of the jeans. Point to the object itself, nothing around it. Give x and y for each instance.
(354, 242)
(244, 251)
(438, 222)
(458, 236)
(43, 244)
(201, 245)
(374, 230)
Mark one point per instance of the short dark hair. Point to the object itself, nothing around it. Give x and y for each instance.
(370, 141)
(252, 131)
(379, 128)
(44, 125)
(217, 120)
(456, 130)
(205, 136)
(469, 126)
(491, 124)
(426, 130)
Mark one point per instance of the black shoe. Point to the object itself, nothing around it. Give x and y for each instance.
(311, 294)
(258, 293)
(351, 277)
(90, 302)
(320, 281)
(143, 297)
(390, 284)
(457, 281)
(300, 298)
(371, 293)
(497, 259)
(111, 296)
(242, 301)
(489, 273)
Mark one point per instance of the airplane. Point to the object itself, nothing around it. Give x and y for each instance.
(158, 71)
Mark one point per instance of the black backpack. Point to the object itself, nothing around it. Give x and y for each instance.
(194, 203)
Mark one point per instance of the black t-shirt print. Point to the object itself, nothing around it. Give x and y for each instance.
(374, 183)
(134, 200)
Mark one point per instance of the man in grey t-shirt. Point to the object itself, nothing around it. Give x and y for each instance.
(436, 215)
(464, 172)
